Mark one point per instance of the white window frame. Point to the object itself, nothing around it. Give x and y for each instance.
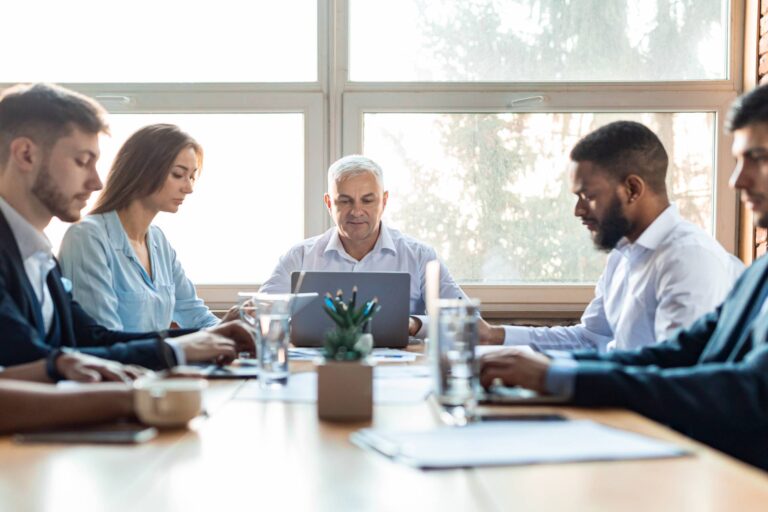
(359, 98)
(333, 109)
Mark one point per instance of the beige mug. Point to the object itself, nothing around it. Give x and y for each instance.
(168, 402)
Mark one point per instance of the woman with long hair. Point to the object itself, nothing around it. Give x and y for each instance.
(123, 270)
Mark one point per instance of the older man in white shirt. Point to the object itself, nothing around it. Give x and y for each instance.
(360, 241)
(662, 272)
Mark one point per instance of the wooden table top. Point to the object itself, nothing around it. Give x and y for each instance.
(278, 456)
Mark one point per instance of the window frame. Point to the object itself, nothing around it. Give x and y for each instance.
(333, 109)
(359, 98)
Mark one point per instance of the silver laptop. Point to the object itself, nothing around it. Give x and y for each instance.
(389, 326)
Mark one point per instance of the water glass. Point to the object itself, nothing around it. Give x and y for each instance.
(269, 318)
(453, 358)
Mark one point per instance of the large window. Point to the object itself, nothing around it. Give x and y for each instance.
(538, 40)
(471, 106)
(491, 191)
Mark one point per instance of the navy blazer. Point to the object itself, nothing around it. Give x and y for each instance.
(22, 332)
(709, 381)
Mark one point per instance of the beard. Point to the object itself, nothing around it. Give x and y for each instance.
(612, 228)
(46, 191)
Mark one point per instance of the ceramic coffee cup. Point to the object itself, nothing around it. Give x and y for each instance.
(168, 402)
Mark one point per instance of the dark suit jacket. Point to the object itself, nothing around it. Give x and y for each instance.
(22, 333)
(709, 381)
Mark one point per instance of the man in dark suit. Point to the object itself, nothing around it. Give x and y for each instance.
(48, 151)
(709, 381)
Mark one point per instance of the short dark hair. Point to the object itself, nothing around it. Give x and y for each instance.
(749, 108)
(142, 165)
(622, 148)
(45, 113)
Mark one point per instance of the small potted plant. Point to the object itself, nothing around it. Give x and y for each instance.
(344, 377)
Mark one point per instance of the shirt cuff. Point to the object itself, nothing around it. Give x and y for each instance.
(178, 351)
(422, 332)
(517, 335)
(561, 378)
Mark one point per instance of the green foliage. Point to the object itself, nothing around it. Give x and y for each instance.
(344, 343)
(494, 233)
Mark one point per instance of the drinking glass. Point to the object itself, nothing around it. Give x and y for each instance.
(269, 318)
(453, 358)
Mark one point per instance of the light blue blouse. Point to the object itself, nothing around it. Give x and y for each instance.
(112, 286)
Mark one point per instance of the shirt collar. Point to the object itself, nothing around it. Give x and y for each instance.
(655, 234)
(383, 243)
(118, 236)
(29, 239)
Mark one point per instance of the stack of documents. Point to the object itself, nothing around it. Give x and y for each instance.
(513, 443)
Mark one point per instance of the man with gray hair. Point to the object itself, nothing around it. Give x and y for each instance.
(360, 241)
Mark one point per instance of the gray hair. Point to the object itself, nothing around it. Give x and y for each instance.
(353, 165)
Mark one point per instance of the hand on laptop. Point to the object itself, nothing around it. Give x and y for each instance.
(233, 313)
(221, 343)
(414, 325)
(515, 367)
(490, 334)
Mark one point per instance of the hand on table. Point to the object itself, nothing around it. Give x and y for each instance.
(515, 367)
(86, 368)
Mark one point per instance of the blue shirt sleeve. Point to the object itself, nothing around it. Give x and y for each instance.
(85, 260)
(561, 377)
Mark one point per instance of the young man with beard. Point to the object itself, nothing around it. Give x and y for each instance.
(652, 284)
(709, 381)
(49, 146)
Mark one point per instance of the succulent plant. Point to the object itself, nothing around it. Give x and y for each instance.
(347, 342)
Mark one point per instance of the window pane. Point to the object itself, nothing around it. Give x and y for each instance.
(491, 192)
(247, 207)
(538, 40)
(159, 41)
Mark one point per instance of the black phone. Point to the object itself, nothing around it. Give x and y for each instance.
(119, 433)
(521, 417)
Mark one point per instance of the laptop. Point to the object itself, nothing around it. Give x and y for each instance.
(389, 326)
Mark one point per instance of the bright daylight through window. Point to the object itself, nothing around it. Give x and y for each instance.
(471, 107)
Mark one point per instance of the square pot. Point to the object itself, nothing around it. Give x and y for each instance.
(344, 391)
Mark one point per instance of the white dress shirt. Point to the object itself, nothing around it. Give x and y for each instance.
(673, 273)
(37, 255)
(393, 252)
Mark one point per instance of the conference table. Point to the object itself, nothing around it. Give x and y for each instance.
(277, 456)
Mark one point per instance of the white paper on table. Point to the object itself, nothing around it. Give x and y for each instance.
(302, 387)
(513, 443)
(401, 371)
(482, 350)
(379, 355)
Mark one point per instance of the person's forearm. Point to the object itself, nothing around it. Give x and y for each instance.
(31, 372)
(28, 405)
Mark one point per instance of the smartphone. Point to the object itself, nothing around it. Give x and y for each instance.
(521, 417)
(120, 433)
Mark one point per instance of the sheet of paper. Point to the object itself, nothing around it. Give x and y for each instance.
(302, 387)
(513, 443)
(481, 350)
(401, 371)
(379, 355)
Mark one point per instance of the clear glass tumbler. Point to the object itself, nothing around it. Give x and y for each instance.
(453, 358)
(269, 318)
